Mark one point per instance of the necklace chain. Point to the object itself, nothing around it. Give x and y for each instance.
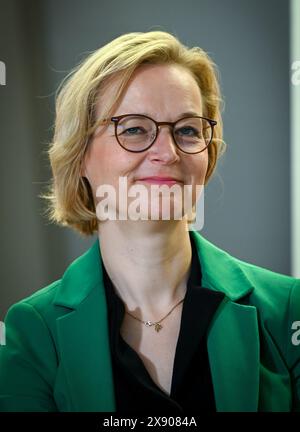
(157, 324)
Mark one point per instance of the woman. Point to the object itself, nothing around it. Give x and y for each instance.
(153, 318)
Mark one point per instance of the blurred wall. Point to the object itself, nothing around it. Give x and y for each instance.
(247, 203)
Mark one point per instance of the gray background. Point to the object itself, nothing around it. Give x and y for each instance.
(247, 203)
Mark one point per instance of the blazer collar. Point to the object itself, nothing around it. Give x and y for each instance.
(82, 276)
(220, 272)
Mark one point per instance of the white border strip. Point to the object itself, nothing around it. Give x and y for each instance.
(295, 135)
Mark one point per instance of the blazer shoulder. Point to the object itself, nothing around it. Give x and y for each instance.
(273, 294)
(42, 298)
(277, 299)
(36, 310)
(268, 284)
(271, 290)
(234, 276)
(79, 277)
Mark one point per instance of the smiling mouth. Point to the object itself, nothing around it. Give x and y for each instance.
(160, 180)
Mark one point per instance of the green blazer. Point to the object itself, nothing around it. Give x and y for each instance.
(57, 355)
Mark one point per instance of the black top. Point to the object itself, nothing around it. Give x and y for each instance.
(191, 389)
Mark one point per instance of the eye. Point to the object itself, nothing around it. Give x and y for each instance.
(188, 131)
(137, 130)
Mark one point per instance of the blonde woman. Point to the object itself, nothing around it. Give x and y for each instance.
(153, 318)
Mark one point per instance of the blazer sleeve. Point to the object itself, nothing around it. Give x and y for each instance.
(28, 362)
(294, 344)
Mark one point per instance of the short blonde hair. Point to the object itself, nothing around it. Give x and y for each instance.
(69, 198)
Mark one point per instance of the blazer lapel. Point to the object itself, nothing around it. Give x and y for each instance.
(233, 335)
(83, 335)
(233, 350)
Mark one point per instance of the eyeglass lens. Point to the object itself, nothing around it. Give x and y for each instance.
(136, 133)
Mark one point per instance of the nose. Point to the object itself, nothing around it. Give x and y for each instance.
(164, 147)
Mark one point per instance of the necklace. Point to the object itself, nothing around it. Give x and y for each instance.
(157, 324)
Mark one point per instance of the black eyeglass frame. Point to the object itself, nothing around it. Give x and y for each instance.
(116, 120)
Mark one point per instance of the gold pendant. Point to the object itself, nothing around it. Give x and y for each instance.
(158, 327)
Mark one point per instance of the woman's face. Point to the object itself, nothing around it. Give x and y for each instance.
(164, 93)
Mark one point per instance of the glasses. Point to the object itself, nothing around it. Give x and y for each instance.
(137, 132)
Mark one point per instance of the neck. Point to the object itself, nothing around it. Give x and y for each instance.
(148, 262)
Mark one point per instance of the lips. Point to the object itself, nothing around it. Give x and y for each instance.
(160, 180)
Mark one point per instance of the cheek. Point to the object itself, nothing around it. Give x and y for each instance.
(106, 162)
(204, 167)
(198, 166)
(95, 164)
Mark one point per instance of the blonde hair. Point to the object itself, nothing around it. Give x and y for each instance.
(70, 199)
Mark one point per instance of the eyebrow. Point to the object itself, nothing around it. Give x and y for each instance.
(184, 114)
(189, 113)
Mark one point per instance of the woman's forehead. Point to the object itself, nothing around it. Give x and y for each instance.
(159, 89)
(165, 78)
